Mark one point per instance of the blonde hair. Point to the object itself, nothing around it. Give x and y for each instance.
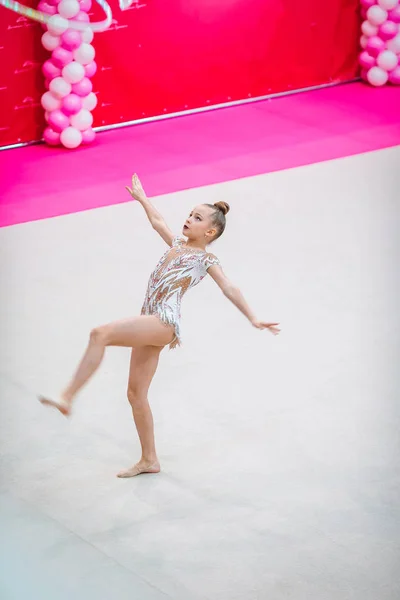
(218, 216)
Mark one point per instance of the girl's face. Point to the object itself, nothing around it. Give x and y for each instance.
(198, 225)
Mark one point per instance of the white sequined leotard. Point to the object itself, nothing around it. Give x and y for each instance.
(179, 269)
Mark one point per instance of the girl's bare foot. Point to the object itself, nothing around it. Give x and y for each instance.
(142, 466)
(60, 404)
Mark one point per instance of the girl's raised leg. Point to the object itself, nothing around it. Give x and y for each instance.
(136, 332)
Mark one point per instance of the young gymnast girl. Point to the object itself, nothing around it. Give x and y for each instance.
(184, 265)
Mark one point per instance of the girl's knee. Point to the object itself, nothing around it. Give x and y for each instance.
(136, 399)
(98, 335)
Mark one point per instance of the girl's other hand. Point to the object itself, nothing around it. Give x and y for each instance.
(272, 327)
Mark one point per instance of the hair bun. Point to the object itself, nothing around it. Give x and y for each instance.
(223, 207)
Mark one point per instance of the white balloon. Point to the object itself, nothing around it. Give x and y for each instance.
(386, 60)
(73, 72)
(82, 120)
(394, 44)
(57, 25)
(84, 54)
(50, 42)
(368, 29)
(71, 137)
(59, 87)
(388, 4)
(90, 101)
(50, 102)
(377, 76)
(363, 41)
(87, 35)
(376, 15)
(68, 8)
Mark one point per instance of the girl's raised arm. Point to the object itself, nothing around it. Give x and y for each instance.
(157, 221)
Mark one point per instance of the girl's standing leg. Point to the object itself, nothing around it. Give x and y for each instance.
(132, 333)
(144, 362)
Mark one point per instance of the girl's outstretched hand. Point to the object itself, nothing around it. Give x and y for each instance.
(137, 191)
(272, 327)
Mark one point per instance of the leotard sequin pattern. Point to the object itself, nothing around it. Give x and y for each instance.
(179, 269)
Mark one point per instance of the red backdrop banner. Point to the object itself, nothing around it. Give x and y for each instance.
(161, 57)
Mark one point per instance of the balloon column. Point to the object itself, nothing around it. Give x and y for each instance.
(380, 41)
(69, 98)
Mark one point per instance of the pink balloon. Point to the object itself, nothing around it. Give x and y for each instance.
(47, 8)
(88, 136)
(90, 101)
(388, 30)
(88, 35)
(366, 60)
(85, 5)
(68, 8)
(50, 42)
(90, 69)
(73, 72)
(71, 137)
(388, 4)
(58, 120)
(368, 29)
(368, 3)
(82, 120)
(53, 2)
(387, 60)
(50, 102)
(60, 88)
(83, 87)
(84, 54)
(377, 15)
(377, 76)
(394, 76)
(51, 137)
(50, 70)
(61, 57)
(394, 15)
(394, 44)
(57, 24)
(82, 17)
(71, 104)
(71, 39)
(375, 45)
